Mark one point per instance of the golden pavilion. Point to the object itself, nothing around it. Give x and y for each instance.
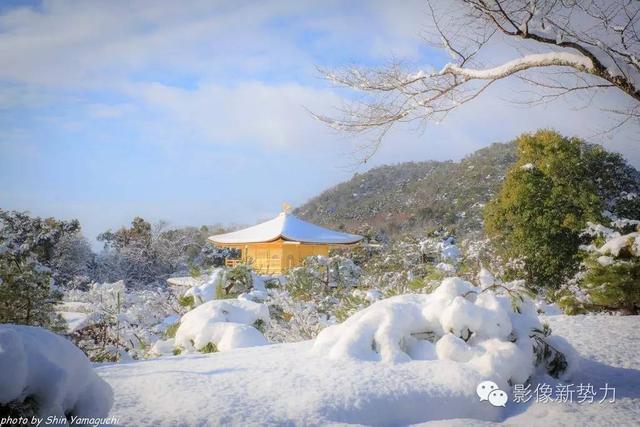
(281, 243)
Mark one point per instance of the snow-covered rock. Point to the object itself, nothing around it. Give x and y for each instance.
(225, 323)
(39, 364)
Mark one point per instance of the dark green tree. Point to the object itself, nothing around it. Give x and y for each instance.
(27, 248)
(611, 274)
(546, 200)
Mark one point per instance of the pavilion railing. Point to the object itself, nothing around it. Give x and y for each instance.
(232, 262)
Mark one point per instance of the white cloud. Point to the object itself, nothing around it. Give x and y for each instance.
(237, 73)
(248, 113)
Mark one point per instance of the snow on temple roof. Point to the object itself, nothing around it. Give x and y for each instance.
(287, 227)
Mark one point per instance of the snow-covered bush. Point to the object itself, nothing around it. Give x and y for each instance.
(494, 330)
(222, 283)
(319, 275)
(319, 293)
(293, 319)
(609, 279)
(222, 325)
(72, 262)
(212, 256)
(238, 279)
(209, 289)
(121, 322)
(42, 372)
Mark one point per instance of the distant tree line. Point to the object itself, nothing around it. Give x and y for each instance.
(42, 257)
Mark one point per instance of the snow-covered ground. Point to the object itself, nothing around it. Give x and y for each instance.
(286, 384)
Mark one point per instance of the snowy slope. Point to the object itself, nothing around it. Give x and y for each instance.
(285, 384)
(610, 347)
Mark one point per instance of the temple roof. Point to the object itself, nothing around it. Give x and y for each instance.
(288, 227)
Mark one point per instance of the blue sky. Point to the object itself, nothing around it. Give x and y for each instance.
(194, 111)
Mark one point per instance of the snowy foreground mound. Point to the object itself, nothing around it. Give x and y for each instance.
(286, 385)
(457, 322)
(405, 360)
(37, 364)
(225, 323)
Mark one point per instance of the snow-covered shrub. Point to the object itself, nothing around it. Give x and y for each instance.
(258, 290)
(315, 295)
(609, 279)
(121, 322)
(72, 262)
(293, 319)
(209, 289)
(325, 291)
(402, 266)
(44, 373)
(479, 254)
(227, 324)
(494, 330)
(443, 249)
(412, 265)
(213, 256)
(320, 275)
(238, 279)
(222, 283)
(145, 253)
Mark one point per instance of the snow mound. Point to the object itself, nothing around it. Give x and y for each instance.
(225, 323)
(207, 291)
(457, 322)
(225, 335)
(163, 347)
(56, 374)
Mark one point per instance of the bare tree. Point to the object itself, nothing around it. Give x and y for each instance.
(563, 47)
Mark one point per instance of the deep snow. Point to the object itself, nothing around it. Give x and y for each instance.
(37, 363)
(286, 384)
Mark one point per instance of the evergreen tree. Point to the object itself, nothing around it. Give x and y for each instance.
(611, 277)
(27, 248)
(545, 202)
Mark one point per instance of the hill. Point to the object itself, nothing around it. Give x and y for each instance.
(413, 197)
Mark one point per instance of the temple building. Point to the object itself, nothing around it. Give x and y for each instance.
(281, 243)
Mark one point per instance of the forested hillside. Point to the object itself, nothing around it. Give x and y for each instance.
(414, 197)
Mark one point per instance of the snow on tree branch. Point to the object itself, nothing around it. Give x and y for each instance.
(589, 46)
(561, 59)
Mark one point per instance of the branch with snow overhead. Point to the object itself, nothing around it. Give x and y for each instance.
(596, 45)
(559, 59)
